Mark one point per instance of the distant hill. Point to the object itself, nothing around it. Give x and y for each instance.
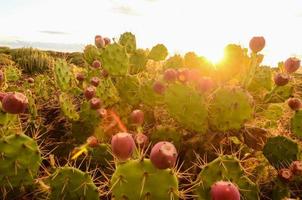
(44, 45)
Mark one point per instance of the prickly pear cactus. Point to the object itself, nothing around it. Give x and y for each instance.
(230, 108)
(279, 94)
(107, 92)
(67, 107)
(262, 79)
(91, 53)
(187, 106)
(63, 75)
(175, 62)
(12, 73)
(139, 179)
(128, 87)
(147, 94)
(296, 124)
(165, 133)
(273, 148)
(226, 168)
(115, 60)
(138, 61)
(101, 155)
(70, 183)
(128, 40)
(20, 161)
(158, 52)
(87, 123)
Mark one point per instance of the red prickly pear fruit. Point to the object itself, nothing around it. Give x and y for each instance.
(30, 80)
(95, 103)
(107, 41)
(285, 174)
(183, 75)
(170, 75)
(294, 104)
(281, 79)
(205, 84)
(159, 87)
(14, 103)
(2, 95)
(80, 77)
(96, 64)
(92, 141)
(89, 92)
(224, 190)
(141, 139)
(137, 117)
(163, 155)
(291, 65)
(296, 167)
(257, 44)
(99, 41)
(95, 81)
(122, 145)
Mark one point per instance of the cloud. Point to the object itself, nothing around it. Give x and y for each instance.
(125, 10)
(54, 32)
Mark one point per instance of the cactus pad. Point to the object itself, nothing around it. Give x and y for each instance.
(128, 40)
(158, 52)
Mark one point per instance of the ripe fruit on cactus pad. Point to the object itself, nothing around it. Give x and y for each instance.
(95, 81)
(80, 77)
(95, 103)
(137, 117)
(159, 87)
(257, 43)
(170, 75)
(96, 64)
(294, 103)
(281, 79)
(141, 139)
(224, 190)
(99, 41)
(292, 64)
(163, 155)
(89, 92)
(14, 103)
(122, 145)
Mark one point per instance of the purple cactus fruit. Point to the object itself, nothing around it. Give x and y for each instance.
(14, 103)
(96, 64)
(102, 112)
(285, 174)
(89, 92)
(163, 155)
(183, 75)
(80, 77)
(99, 41)
(141, 140)
(30, 80)
(294, 104)
(137, 117)
(291, 65)
(281, 79)
(107, 41)
(95, 103)
(92, 141)
(170, 75)
(296, 167)
(104, 73)
(159, 87)
(205, 84)
(95, 81)
(224, 190)
(257, 44)
(122, 145)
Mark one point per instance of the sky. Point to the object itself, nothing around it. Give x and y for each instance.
(203, 26)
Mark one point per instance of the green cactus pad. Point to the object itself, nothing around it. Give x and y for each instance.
(158, 52)
(128, 40)
(230, 108)
(68, 108)
(128, 87)
(139, 180)
(115, 60)
(70, 183)
(20, 161)
(91, 53)
(107, 92)
(63, 75)
(163, 133)
(226, 168)
(262, 79)
(175, 62)
(138, 61)
(296, 124)
(279, 94)
(187, 106)
(280, 151)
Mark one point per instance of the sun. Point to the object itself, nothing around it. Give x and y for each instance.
(214, 57)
